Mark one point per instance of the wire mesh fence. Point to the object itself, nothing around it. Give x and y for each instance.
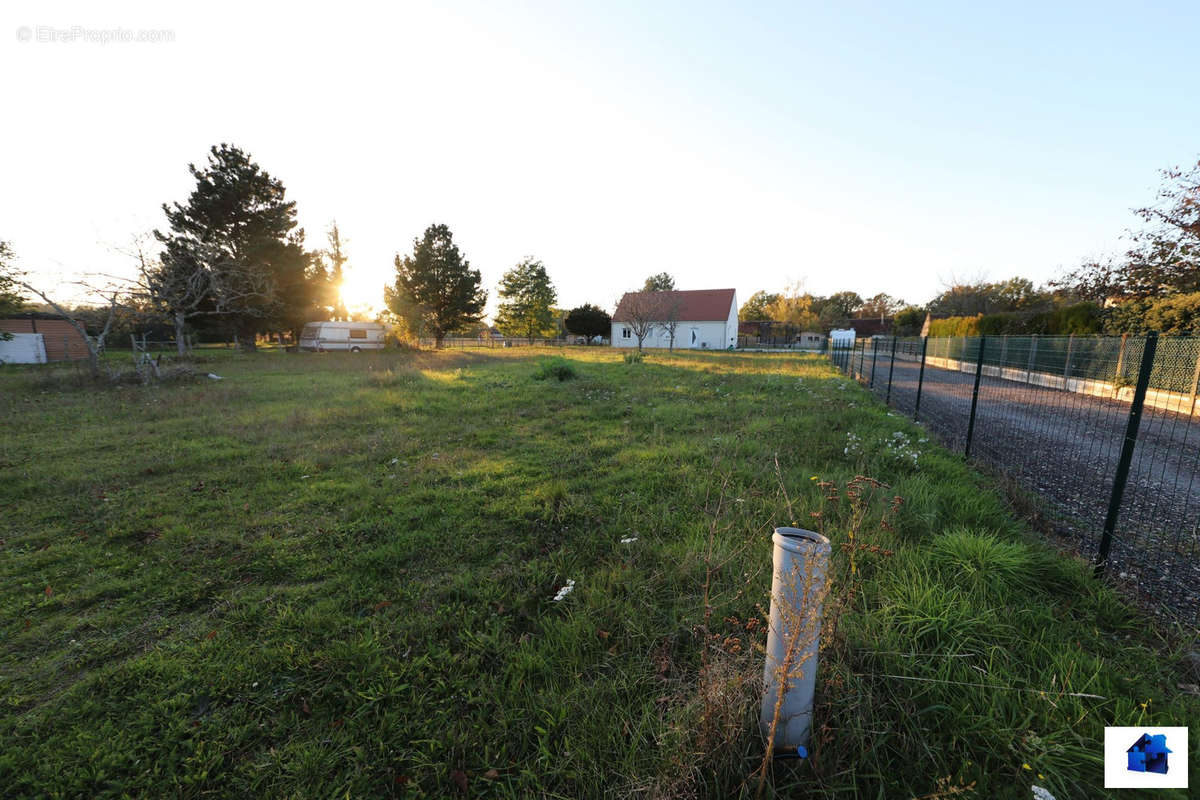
(1104, 429)
(466, 342)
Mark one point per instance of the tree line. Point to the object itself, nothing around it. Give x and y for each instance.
(1153, 286)
(232, 262)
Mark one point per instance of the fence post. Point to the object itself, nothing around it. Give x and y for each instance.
(1032, 358)
(1003, 353)
(1120, 371)
(874, 358)
(888, 397)
(1131, 432)
(1195, 380)
(1067, 365)
(920, 377)
(974, 398)
(861, 360)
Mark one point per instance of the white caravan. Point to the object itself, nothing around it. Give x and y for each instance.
(353, 336)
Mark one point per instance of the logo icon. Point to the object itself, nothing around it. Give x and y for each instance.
(1137, 758)
(1149, 754)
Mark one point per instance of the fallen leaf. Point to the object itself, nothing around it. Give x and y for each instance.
(492, 774)
(337, 723)
(304, 709)
(211, 635)
(382, 604)
(49, 591)
(402, 779)
(603, 634)
(460, 779)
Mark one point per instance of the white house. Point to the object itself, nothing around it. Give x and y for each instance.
(706, 319)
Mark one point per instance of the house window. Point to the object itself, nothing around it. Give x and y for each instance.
(358, 333)
(626, 333)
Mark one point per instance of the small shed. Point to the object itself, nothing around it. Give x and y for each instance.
(59, 338)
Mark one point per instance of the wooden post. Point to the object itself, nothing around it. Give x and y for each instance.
(1067, 365)
(1120, 372)
(1195, 379)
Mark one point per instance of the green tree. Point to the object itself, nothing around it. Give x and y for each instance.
(982, 297)
(233, 249)
(526, 300)
(839, 306)
(11, 299)
(880, 306)
(755, 308)
(661, 282)
(909, 321)
(436, 290)
(1177, 313)
(794, 307)
(588, 320)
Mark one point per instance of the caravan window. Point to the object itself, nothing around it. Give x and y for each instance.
(358, 333)
(309, 332)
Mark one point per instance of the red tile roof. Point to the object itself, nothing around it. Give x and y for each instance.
(697, 305)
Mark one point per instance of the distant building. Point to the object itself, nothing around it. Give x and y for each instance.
(866, 328)
(706, 319)
(841, 337)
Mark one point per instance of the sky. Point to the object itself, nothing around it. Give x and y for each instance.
(865, 146)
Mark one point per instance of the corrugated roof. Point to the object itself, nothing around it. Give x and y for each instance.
(696, 305)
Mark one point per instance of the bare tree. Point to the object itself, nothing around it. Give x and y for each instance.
(643, 310)
(669, 306)
(205, 283)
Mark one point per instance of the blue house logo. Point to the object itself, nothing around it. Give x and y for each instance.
(1149, 754)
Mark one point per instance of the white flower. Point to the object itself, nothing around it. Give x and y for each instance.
(629, 540)
(1041, 794)
(564, 591)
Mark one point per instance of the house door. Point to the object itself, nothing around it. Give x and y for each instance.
(695, 337)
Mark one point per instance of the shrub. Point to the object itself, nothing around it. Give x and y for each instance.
(635, 357)
(557, 367)
(1081, 318)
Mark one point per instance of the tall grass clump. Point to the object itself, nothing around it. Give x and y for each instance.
(557, 367)
(636, 357)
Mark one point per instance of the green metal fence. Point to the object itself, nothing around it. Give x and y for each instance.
(1105, 429)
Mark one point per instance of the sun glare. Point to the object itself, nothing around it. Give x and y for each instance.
(362, 291)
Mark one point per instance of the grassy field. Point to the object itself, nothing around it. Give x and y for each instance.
(334, 576)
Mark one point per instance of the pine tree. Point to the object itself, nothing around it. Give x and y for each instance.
(436, 290)
(234, 249)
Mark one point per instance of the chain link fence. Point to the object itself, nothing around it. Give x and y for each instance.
(1105, 430)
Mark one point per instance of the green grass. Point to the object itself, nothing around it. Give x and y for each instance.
(333, 576)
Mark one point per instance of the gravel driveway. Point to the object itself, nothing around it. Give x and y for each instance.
(1065, 447)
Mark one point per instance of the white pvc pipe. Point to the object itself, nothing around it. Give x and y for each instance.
(798, 588)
